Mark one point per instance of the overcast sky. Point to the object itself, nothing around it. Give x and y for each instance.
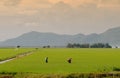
(58, 16)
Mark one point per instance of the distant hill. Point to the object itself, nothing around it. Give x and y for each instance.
(111, 36)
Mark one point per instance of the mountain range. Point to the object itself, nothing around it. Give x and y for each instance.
(33, 38)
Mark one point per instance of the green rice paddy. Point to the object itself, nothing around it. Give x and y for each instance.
(83, 60)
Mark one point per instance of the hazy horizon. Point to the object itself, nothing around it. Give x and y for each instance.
(57, 16)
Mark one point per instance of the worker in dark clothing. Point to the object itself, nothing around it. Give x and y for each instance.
(69, 60)
(46, 60)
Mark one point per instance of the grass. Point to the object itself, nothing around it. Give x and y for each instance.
(83, 61)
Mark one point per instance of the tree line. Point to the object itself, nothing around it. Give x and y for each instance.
(95, 45)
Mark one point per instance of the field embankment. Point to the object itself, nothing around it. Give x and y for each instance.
(7, 55)
(69, 75)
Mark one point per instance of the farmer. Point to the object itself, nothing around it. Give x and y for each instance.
(69, 60)
(46, 60)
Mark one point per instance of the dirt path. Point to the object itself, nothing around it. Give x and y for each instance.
(18, 56)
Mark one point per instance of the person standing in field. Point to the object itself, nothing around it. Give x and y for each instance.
(69, 60)
(46, 60)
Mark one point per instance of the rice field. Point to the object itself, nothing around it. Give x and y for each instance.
(83, 61)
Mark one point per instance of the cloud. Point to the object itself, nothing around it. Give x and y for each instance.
(14, 7)
(61, 7)
(109, 3)
(24, 2)
(11, 2)
(48, 3)
(31, 24)
(35, 3)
